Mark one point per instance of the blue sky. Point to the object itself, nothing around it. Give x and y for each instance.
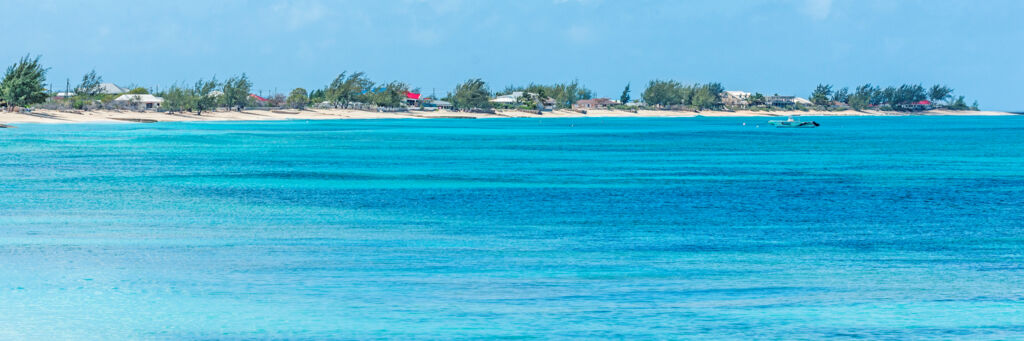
(771, 46)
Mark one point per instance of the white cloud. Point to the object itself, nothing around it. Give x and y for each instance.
(817, 9)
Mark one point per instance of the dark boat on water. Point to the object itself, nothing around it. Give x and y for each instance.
(791, 123)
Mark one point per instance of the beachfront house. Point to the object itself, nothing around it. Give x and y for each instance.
(413, 99)
(921, 105)
(140, 101)
(112, 89)
(736, 99)
(437, 104)
(780, 101)
(594, 103)
(509, 100)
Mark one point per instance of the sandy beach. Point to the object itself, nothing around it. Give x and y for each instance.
(99, 116)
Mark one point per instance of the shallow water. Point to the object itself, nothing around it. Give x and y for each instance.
(870, 227)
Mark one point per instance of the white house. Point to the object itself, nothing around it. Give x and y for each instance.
(736, 98)
(112, 89)
(146, 101)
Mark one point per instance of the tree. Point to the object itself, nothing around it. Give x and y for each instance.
(472, 94)
(90, 85)
(344, 90)
(138, 91)
(201, 97)
(706, 96)
(757, 99)
(22, 84)
(959, 104)
(842, 96)
(390, 95)
(663, 93)
(940, 93)
(625, 95)
(862, 97)
(236, 92)
(821, 94)
(317, 96)
(297, 98)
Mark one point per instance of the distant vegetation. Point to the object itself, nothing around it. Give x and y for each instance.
(672, 94)
(906, 97)
(562, 95)
(23, 85)
(472, 94)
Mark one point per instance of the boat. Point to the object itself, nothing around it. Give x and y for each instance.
(791, 123)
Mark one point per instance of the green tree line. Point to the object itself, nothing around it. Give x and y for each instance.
(897, 98)
(23, 85)
(667, 94)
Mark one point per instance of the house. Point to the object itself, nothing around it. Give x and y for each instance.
(548, 104)
(595, 103)
(413, 99)
(437, 104)
(512, 98)
(504, 100)
(780, 101)
(258, 98)
(921, 105)
(145, 101)
(112, 89)
(63, 95)
(801, 101)
(736, 98)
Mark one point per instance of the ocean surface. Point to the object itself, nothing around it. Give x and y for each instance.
(623, 228)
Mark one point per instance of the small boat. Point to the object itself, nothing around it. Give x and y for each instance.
(791, 123)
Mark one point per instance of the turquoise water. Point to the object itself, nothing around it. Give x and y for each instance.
(883, 227)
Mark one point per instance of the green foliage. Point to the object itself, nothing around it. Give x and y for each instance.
(138, 91)
(625, 95)
(902, 98)
(564, 94)
(669, 93)
(472, 94)
(177, 98)
(821, 94)
(959, 104)
(392, 95)
(236, 92)
(757, 99)
(317, 96)
(297, 98)
(196, 98)
(663, 93)
(707, 96)
(22, 84)
(201, 95)
(344, 90)
(861, 98)
(842, 96)
(90, 85)
(940, 93)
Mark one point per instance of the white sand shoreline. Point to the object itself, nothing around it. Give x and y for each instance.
(100, 116)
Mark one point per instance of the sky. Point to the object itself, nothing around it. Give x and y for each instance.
(768, 46)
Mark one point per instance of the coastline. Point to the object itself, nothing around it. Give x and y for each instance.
(109, 116)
